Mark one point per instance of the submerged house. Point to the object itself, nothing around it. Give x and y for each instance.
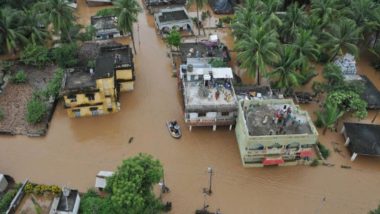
(273, 132)
(362, 139)
(90, 92)
(209, 96)
(173, 18)
(105, 27)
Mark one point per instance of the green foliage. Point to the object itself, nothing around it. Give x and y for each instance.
(40, 189)
(36, 110)
(174, 38)
(329, 116)
(217, 63)
(105, 12)
(324, 151)
(19, 77)
(88, 35)
(66, 56)
(226, 19)
(54, 85)
(348, 101)
(314, 163)
(6, 200)
(91, 203)
(35, 55)
(375, 211)
(2, 114)
(131, 186)
(333, 73)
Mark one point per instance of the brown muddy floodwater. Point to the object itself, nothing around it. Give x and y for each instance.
(76, 149)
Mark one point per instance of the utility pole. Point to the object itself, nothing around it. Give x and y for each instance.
(209, 190)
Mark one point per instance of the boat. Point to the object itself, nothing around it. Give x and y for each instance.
(174, 129)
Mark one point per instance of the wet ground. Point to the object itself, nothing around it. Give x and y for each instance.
(76, 149)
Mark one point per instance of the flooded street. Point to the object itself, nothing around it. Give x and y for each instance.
(74, 150)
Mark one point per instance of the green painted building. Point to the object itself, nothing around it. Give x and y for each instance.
(274, 132)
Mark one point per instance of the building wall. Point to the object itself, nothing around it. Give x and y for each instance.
(210, 118)
(273, 146)
(125, 77)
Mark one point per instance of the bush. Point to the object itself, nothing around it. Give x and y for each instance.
(88, 34)
(105, 12)
(40, 189)
(6, 200)
(324, 151)
(217, 63)
(66, 56)
(19, 77)
(54, 85)
(36, 55)
(2, 115)
(36, 110)
(314, 163)
(226, 19)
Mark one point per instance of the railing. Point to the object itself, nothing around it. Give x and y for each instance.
(17, 199)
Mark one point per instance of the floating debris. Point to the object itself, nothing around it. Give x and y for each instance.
(130, 140)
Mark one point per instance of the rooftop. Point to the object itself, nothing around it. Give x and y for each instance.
(275, 117)
(79, 79)
(173, 14)
(110, 57)
(364, 138)
(203, 49)
(212, 89)
(370, 94)
(104, 22)
(164, 2)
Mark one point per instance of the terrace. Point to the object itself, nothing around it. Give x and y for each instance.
(279, 117)
(105, 26)
(207, 49)
(207, 89)
(173, 18)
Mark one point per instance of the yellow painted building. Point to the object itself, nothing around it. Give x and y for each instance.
(96, 92)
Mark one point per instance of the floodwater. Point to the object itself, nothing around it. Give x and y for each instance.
(76, 149)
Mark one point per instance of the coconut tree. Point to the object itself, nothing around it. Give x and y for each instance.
(294, 19)
(329, 116)
(59, 14)
(305, 47)
(326, 10)
(285, 72)
(127, 12)
(35, 30)
(257, 49)
(12, 33)
(199, 4)
(341, 37)
(332, 73)
(244, 20)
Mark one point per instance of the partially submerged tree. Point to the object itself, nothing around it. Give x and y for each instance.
(174, 38)
(130, 188)
(348, 101)
(328, 117)
(257, 49)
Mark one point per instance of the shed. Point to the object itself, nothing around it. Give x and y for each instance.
(362, 139)
(100, 180)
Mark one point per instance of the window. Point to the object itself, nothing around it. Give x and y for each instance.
(94, 111)
(275, 146)
(293, 146)
(255, 146)
(304, 146)
(225, 113)
(76, 112)
(72, 97)
(90, 96)
(202, 114)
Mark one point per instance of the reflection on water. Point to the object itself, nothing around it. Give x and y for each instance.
(75, 149)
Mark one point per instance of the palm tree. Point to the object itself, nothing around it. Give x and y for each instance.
(34, 28)
(199, 4)
(305, 47)
(329, 116)
(257, 49)
(285, 71)
(342, 37)
(59, 14)
(294, 19)
(127, 12)
(244, 20)
(332, 73)
(12, 33)
(326, 10)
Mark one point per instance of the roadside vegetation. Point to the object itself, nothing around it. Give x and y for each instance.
(129, 190)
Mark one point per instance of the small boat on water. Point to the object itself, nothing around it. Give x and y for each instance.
(174, 129)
